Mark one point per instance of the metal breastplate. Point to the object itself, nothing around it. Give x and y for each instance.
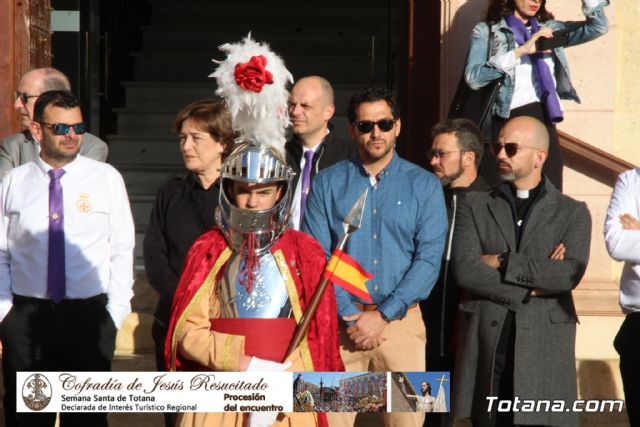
(268, 298)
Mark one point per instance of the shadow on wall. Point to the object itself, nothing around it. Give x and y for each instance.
(455, 43)
(597, 379)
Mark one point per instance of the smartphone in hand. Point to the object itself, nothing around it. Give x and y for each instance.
(560, 39)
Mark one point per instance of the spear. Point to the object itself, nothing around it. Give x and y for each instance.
(351, 224)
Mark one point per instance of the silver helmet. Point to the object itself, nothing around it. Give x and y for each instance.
(254, 163)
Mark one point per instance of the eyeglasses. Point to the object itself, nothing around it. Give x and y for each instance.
(439, 154)
(63, 128)
(24, 97)
(366, 126)
(510, 148)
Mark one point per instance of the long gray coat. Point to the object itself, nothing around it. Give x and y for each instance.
(545, 326)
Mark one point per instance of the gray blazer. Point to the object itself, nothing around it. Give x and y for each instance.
(20, 148)
(545, 326)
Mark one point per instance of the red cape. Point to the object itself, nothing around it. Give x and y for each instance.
(306, 261)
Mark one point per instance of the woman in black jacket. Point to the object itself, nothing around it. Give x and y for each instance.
(185, 205)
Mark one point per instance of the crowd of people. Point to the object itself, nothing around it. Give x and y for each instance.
(479, 254)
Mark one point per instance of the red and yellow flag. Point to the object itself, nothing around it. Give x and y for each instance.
(345, 272)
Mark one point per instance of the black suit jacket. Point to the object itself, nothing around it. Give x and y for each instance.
(332, 150)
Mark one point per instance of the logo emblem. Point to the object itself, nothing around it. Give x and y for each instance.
(83, 204)
(36, 392)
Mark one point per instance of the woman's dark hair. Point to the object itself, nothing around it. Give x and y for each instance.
(500, 8)
(211, 116)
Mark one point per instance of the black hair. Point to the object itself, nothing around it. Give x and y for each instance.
(466, 132)
(57, 98)
(371, 94)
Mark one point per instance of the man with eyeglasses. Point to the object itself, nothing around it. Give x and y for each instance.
(455, 154)
(400, 241)
(314, 145)
(518, 252)
(21, 148)
(66, 259)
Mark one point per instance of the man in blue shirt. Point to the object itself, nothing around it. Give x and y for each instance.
(400, 241)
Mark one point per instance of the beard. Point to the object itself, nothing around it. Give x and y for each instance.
(512, 174)
(445, 180)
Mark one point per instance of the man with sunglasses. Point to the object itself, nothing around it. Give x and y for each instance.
(66, 259)
(455, 154)
(518, 252)
(400, 241)
(310, 110)
(21, 148)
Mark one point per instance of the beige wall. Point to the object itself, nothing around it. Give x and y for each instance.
(603, 73)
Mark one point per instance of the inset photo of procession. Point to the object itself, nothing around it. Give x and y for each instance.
(340, 392)
(420, 391)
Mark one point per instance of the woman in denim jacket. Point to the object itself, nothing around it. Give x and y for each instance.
(528, 75)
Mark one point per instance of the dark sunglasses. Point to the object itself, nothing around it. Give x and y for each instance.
(24, 97)
(510, 148)
(366, 126)
(63, 128)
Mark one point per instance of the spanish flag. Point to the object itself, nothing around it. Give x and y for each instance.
(345, 272)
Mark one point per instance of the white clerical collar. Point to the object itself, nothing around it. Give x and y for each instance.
(522, 194)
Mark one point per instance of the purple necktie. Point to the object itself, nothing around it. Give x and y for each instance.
(56, 277)
(306, 181)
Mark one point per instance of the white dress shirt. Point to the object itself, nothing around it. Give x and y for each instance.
(624, 245)
(98, 228)
(526, 88)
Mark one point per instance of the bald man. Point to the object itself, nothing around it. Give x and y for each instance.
(21, 148)
(310, 110)
(518, 252)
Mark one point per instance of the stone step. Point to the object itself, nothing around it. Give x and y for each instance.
(167, 95)
(172, 95)
(196, 67)
(141, 207)
(145, 180)
(256, 15)
(138, 252)
(158, 123)
(146, 121)
(131, 150)
(292, 42)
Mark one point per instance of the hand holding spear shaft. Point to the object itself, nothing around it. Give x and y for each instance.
(351, 223)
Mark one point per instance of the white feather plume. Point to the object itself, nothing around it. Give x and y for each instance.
(259, 116)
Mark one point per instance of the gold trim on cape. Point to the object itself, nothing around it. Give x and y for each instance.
(305, 353)
(204, 290)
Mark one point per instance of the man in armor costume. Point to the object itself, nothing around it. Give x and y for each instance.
(247, 282)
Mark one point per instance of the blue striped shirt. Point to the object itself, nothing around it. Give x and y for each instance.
(402, 235)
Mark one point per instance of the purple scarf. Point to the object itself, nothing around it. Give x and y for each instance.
(540, 68)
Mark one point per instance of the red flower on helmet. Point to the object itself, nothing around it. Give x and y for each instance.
(252, 75)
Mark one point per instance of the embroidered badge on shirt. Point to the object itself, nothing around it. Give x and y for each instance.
(83, 205)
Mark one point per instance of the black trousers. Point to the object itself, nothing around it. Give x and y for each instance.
(38, 335)
(628, 347)
(552, 167)
(159, 335)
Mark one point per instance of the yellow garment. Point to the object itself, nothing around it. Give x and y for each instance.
(197, 342)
